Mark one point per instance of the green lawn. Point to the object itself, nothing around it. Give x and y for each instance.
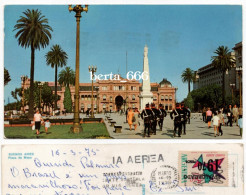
(90, 130)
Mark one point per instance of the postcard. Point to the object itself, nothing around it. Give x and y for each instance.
(123, 71)
(123, 169)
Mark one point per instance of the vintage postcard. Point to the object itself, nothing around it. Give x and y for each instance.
(123, 71)
(122, 169)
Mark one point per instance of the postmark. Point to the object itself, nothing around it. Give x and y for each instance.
(163, 178)
(203, 168)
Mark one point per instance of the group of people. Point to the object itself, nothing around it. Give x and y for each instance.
(38, 121)
(151, 117)
(218, 116)
(181, 116)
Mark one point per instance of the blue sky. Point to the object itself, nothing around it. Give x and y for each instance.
(178, 36)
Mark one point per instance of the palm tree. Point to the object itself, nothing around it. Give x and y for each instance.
(56, 57)
(33, 31)
(6, 77)
(188, 76)
(223, 61)
(66, 77)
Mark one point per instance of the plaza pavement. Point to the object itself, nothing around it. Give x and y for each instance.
(197, 129)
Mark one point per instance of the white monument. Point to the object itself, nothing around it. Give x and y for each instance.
(146, 95)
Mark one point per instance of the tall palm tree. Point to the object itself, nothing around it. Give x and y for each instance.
(32, 31)
(223, 61)
(188, 76)
(56, 57)
(66, 77)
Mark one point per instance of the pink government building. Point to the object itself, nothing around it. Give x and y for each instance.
(115, 95)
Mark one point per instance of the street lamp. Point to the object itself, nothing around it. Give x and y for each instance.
(239, 72)
(92, 69)
(232, 85)
(97, 89)
(23, 80)
(40, 86)
(76, 128)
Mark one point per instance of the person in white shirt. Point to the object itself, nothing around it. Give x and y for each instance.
(37, 121)
(216, 123)
(47, 125)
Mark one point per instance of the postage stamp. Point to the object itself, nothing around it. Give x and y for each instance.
(203, 168)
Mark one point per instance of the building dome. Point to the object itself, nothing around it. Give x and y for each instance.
(165, 82)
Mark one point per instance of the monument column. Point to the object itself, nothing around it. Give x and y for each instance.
(146, 95)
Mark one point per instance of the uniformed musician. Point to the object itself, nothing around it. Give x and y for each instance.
(146, 115)
(185, 113)
(176, 117)
(162, 114)
(155, 117)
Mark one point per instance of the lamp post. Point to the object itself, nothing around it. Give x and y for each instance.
(78, 9)
(40, 86)
(23, 80)
(92, 70)
(239, 72)
(232, 85)
(97, 89)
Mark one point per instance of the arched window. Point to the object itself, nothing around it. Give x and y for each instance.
(133, 105)
(111, 98)
(154, 98)
(166, 97)
(133, 97)
(162, 97)
(104, 97)
(104, 106)
(170, 97)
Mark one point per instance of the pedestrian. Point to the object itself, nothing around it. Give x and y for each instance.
(240, 124)
(184, 115)
(229, 116)
(155, 116)
(209, 117)
(37, 121)
(135, 118)
(176, 117)
(240, 111)
(126, 114)
(216, 123)
(221, 117)
(47, 125)
(235, 113)
(204, 110)
(162, 115)
(130, 118)
(146, 115)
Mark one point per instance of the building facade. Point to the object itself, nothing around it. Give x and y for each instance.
(208, 75)
(115, 95)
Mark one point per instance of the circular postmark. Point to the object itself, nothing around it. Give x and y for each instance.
(163, 177)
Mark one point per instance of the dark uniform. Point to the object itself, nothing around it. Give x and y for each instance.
(147, 115)
(176, 117)
(185, 113)
(162, 114)
(155, 116)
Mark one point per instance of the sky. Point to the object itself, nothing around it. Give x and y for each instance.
(178, 37)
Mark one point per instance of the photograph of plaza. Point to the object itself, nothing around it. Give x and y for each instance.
(123, 72)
